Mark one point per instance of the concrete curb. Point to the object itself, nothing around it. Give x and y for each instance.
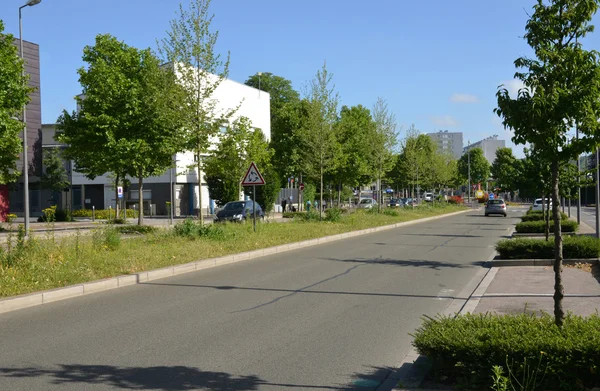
(49, 296)
(542, 262)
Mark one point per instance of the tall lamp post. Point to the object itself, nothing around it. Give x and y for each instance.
(30, 3)
(469, 167)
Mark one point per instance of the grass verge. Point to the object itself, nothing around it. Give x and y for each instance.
(37, 264)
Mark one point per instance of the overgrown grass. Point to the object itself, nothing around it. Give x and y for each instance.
(44, 264)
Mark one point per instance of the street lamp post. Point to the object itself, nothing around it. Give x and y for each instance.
(30, 3)
(469, 167)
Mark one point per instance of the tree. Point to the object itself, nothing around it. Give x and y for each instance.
(55, 176)
(442, 170)
(190, 46)
(504, 169)
(560, 91)
(129, 122)
(14, 95)
(320, 145)
(413, 164)
(480, 167)
(383, 141)
(285, 106)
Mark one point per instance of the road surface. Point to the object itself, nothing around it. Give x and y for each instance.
(329, 317)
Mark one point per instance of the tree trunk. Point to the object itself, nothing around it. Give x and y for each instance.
(141, 200)
(200, 215)
(340, 195)
(547, 218)
(321, 197)
(559, 290)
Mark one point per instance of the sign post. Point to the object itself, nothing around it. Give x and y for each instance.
(253, 178)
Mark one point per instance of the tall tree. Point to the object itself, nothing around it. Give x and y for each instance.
(129, 122)
(14, 94)
(320, 144)
(561, 90)
(479, 166)
(285, 106)
(504, 169)
(55, 176)
(190, 46)
(383, 141)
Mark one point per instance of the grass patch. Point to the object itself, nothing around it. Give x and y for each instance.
(135, 229)
(540, 226)
(466, 348)
(45, 264)
(574, 247)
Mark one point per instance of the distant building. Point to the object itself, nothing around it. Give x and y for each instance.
(450, 142)
(489, 146)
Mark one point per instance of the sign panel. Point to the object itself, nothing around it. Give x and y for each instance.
(253, 177)
(479, 194)
(301, 187)
(120, 191)
(491, 196)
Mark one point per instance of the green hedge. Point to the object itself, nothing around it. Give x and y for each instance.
(574, 247)
(102, 214)
(136, 229)
(466, 348)
(291, 215)
(540, 226)
(538, 216)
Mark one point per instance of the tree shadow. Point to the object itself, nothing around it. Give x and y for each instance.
(444, 235)
(436, 265)
(172, 378)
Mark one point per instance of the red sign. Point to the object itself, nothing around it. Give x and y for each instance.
(301, 187)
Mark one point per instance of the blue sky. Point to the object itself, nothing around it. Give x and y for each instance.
(438, 63)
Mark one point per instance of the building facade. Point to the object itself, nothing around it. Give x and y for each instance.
(449, 142)
(489, 146)
(99, 193)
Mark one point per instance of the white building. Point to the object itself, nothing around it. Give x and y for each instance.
(100, 193)
(489, 146)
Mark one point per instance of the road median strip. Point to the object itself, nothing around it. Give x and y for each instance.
(48, 296)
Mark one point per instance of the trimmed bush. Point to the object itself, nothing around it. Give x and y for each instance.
(540, 226)
(136, 229)
(538, 216)
(466, 347)
(456, 200)
(574, 247)
(54, 215)
(102, 214)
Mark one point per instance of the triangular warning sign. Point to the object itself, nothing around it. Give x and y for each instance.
(253, 177)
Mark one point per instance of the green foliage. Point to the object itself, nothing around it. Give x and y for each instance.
(136, 229)
(106, 238)
(574, 247)
(391, 212)
(54, 176)
(291, 215)
(14, 94)
(539, 226)
(102, 214)
(539, 216)
(333, 214)
(53, 214)
(504, 169)
(467, 347)
(480, 168)
(195, 229)
(310, 192)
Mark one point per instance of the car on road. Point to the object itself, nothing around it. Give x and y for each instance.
(367, 203)
(495, 207)
(537, 204)
(239, 211)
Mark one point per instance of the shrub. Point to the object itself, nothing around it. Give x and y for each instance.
(538, 216)
(102, 214)
(468, 347)
(313, 215)
(333, 214)
(574, 247)
(52, 214)
(291, 215)
(107, 238)
(540, 226)
(194, 229)
(136, 229)
(456, 200)
(391, 212)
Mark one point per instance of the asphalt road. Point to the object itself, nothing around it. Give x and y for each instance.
(330, 317)
(588, 215)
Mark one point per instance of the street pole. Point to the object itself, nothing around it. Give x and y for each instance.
(469, 169)
(254, 205)
(25, 160)
(597, 193)
(578, 182)
(171, 194)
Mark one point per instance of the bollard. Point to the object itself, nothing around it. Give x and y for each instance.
(93, 213)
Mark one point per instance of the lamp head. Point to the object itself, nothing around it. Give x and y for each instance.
(31, 3)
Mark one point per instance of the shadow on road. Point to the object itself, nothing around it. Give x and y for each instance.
(178, 378)
(442, 235)
(407, 262)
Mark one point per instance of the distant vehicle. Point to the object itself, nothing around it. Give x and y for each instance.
(428, 197)
(238, 211)
(396, 203)
(495, 207)
(537, 204)
(408, 202)
(367, 203)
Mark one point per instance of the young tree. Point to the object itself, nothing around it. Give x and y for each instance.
(561, 90)
(504, 169)
(55, 176)
(320, 144)
(383, 141)
(14, 95)
(129, 122)
(480, 167)
(190, 46)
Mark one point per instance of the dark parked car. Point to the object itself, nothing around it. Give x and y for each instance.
(495, 207)
(239, 211)
(396, 203)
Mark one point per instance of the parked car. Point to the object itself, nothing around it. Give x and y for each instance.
(428, 197)
(396, 203)
(239, 211)
(367, 203)
(495, 207)
(537, 204)
(408, 202)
